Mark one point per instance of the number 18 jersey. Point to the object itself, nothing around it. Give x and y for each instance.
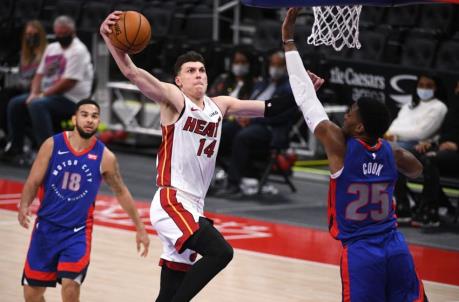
(71, 183)
(187, 155)
(360, 198)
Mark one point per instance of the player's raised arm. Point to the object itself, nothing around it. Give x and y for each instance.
(304, 90)
(112, 176)
(149, 85)
(34, 181)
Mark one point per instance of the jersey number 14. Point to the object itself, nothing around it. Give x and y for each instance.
(209, 150)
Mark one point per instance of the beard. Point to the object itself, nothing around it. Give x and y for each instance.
(85, 135)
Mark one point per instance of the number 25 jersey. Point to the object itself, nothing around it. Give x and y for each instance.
(187, 155)
(360, 197)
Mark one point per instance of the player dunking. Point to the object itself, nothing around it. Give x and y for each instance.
(191, 127)
(70, 166)
(376, 264)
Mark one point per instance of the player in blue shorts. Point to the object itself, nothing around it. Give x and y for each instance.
(376, 264)
(70, 167)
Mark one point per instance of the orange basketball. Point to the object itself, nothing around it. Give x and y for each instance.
(131, 33)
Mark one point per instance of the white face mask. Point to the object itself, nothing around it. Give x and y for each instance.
(240, 70)
(276, 73)
(425, 94)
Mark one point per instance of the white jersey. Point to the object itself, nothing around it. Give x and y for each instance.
(187, 155)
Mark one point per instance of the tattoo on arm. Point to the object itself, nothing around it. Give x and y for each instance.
(114, 180)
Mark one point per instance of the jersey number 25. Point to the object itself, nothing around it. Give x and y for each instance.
(375, 193)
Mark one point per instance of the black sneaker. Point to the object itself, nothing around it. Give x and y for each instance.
(229, 191)
(431, 220)
(419, 218)
(403, 215)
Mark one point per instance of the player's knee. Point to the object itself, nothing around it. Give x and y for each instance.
(33, 294)
(226, 254)
(70, 291)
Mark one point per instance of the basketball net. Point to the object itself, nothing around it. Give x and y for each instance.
(337, 26)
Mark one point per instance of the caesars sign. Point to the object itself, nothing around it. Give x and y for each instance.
(388, 84)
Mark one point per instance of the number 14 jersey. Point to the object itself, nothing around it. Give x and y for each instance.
(360, 198)
(187, 155)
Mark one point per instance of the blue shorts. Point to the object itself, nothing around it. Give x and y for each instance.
(56, 253)
(380, 269)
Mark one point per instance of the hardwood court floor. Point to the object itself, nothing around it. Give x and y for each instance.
(117, 273)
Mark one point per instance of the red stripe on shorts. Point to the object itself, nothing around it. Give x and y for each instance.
(38, 275)
(345, 281)
(176, 266)
(182, 218)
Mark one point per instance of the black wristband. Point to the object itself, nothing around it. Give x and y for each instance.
(278, 105)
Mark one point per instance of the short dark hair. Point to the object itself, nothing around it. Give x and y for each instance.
(86, 102)
(375, 117)
(190, 56)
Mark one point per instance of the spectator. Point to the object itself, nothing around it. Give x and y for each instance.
(256, 134)
(33, 44)
(415, 122)
(237, 83)
(438, 159)
(64, 76)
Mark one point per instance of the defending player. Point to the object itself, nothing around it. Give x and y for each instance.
(191, 127)
(376, 264)
(70, 166)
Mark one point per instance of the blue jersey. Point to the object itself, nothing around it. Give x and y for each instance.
(71, 183)
(360, 202)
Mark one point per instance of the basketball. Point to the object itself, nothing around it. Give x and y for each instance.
(131, 33)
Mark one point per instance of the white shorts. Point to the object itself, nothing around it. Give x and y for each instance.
(175, 217)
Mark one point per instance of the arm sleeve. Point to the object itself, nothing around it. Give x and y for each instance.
(304, 92)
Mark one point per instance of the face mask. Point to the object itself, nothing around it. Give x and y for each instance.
(64, 41)
(425, 94)
(33, 41)
(240, 70)
(276, 73)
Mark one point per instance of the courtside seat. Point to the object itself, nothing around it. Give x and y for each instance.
(267, 36)
(71, 8)
(418, 52)
(26, 10)
(94, 12)
(199, 24)
(448, 56)
(6, 13)
(160, 20)
(135, 5)
(438, 18)
(371, 16)
(402, 16)
(373, 46)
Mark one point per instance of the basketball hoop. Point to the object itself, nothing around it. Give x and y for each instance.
(336, 22)
(336, 26)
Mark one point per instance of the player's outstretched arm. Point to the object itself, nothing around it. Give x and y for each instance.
(254, 108)
(406, 162)
(304, 90)
(149, 85)
(112, 176)
(34, 181)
